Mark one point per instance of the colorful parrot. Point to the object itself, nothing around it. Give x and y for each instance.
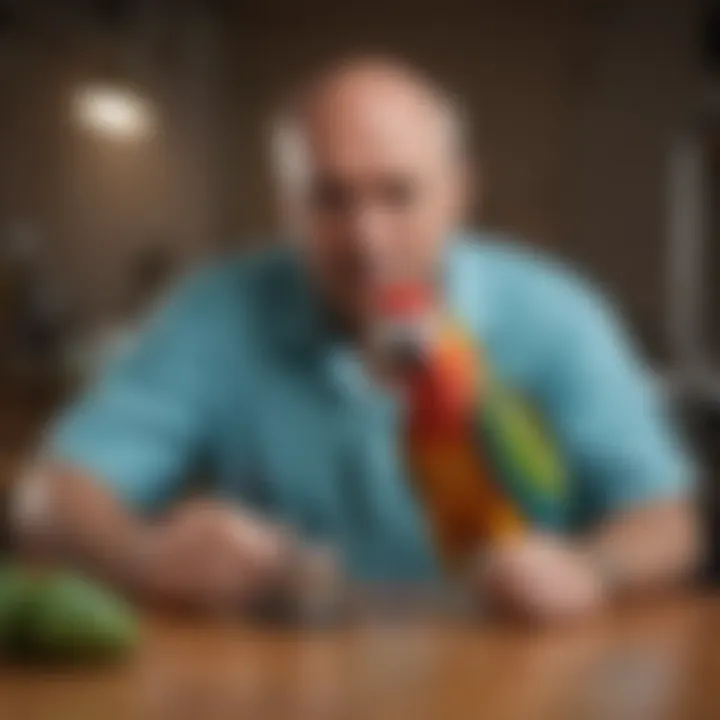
(484, 465)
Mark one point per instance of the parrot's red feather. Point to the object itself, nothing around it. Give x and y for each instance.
(408, 300)
(443, 392)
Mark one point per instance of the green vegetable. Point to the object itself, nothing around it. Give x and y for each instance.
(15, 584)
(59, 616)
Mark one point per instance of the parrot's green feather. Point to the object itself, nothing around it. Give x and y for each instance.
(527, 462)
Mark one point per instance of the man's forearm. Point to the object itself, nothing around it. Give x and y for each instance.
(648, 548)
(59, 514)
(203, 555)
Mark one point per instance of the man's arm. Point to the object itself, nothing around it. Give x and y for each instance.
(656, 545)
(643, 551)
(60, 513)
(125, 449)
(631, 476)
(203, 555)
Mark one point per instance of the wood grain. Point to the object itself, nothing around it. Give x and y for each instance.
(647, 662)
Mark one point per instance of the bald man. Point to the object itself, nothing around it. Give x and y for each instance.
(260, 372)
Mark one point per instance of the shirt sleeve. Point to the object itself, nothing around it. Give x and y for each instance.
(611, 414)
(142, 427)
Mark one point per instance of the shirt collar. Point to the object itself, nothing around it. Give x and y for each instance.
(467, 283)
(302, 324)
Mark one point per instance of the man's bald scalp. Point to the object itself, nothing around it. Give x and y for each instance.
(297, 106)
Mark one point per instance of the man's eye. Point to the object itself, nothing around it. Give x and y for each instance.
(398, 194)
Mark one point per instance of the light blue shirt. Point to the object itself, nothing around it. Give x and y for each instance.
(236, 378)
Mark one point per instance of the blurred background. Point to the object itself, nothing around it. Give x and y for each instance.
(132, 147)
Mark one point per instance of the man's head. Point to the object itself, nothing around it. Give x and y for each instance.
(371, 163)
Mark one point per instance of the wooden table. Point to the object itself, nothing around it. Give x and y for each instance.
(649, 662)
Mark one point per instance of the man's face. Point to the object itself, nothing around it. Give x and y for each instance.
(377, 192)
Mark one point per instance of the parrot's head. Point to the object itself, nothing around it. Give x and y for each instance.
(437, 361)
(404, 320)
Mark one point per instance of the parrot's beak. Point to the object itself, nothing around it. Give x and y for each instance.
(406, 343)
(408, 355)
(404, 326)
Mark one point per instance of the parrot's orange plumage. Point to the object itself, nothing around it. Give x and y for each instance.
(463, 502)
(444, 388)
(444, 382)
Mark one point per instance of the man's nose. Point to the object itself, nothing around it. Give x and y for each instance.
(372, 234)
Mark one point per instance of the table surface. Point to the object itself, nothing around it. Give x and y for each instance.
(656, 661)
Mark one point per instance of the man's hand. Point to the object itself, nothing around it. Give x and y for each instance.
(211, 557)
(541, 578)
(646, 549)
(204, 555)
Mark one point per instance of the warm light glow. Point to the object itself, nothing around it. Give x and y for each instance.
(114, 112)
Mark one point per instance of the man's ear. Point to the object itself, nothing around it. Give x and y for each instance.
(472, 189)
(466, 191)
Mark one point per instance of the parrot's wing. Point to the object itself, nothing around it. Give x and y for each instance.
(527, 461)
